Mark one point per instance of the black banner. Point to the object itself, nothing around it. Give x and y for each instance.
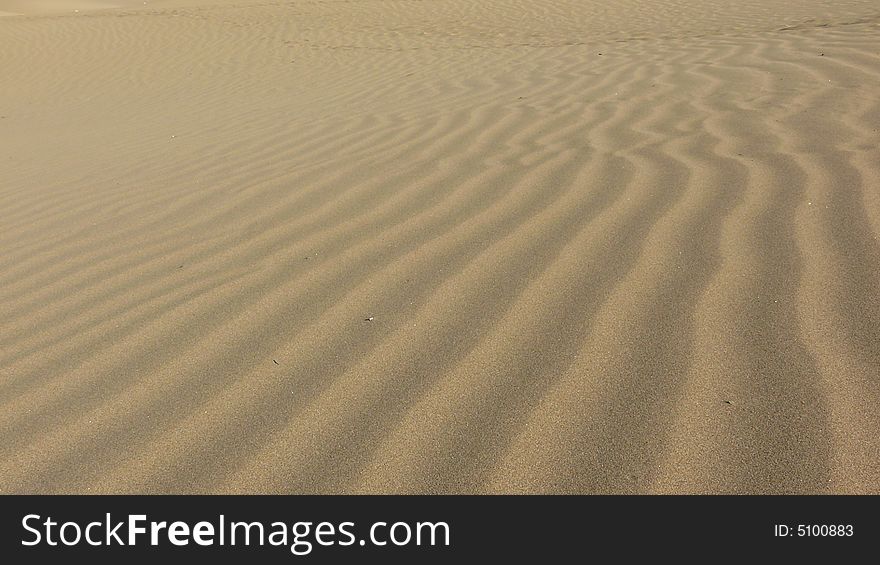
(288, 529)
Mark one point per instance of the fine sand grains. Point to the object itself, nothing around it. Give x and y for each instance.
(440, 246)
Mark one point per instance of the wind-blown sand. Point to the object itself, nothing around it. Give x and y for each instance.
(440, 246)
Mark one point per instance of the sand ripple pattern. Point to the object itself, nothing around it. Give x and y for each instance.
(441, 247)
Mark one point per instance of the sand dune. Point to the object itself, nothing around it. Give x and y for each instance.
(440, 246)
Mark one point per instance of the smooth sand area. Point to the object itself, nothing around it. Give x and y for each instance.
(400, 246)
(30, 7)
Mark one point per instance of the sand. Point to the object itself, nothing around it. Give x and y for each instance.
(399, 246)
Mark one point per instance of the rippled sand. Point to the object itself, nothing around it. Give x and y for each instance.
(440, 246)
